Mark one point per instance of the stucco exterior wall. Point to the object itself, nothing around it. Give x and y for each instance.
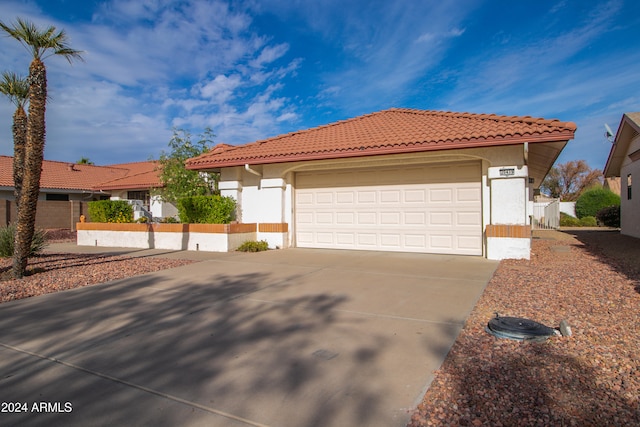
(630, 208)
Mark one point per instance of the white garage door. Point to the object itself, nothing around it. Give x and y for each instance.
(430, 209)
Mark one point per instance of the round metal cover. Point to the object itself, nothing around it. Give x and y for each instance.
(517, 328)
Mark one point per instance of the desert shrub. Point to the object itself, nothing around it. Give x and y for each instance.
(7, 236)
(142, 220)
(118, 211)
(609, 216)
(588, 221)
(169, 220)
(253, 246)
(568, 220)
(206, 209)
(591, 201)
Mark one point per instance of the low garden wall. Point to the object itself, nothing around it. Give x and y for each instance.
(193, 237)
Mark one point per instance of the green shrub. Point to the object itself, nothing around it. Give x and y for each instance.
(253, 246)
(588, 221)
(7, 236)
(118, 211)
(568, 220)
(609, 216)
(591, 201)
(169, 220)
(206, 210)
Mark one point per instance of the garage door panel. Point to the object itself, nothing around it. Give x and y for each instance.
(468, 195)
(441, 195)
(415, 218)
(417, 196)
(390, 196)
(472, 219)
(366, 196)
(344, 197)
(368, 239)
(345, 238)
(429, 212)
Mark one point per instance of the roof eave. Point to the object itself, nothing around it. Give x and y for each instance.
(396, 149)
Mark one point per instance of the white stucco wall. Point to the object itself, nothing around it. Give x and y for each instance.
(127, 239)
(630, 208)
(509, 201)
(508, 248)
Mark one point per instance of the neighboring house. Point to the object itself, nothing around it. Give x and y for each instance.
(624, 162)
(396, 180)
(137, 185)
(64, 181)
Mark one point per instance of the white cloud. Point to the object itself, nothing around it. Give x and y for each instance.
(220, 89)
(270, 54)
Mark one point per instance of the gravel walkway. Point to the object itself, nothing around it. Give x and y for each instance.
(589, 278)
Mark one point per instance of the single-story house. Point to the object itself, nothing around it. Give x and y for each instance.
(624, 162)
(64, 181)
(395, 180)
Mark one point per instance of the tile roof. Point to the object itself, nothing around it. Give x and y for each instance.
(72, 176)
(142, 175)
(390, 131)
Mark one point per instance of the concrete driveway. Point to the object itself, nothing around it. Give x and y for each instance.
(296, 337)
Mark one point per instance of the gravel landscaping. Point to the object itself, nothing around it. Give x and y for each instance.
(589, 278)
(53, 272)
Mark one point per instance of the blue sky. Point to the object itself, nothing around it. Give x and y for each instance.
(259, 68)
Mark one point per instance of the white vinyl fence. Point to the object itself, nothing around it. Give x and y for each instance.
(546, 215)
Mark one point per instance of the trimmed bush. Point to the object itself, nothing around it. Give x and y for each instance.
(588, 221)
(568, 220)
(115, 211)
(206, 210)
(253, 246)
(591, 201)
(7, 237)
(609, 216)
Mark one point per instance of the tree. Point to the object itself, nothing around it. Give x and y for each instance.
(178, 182)
(567, 181)
(41, 43)
(16, 89)
(84, 161)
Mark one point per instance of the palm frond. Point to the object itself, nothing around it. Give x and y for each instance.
(15, 87)
(42, 43)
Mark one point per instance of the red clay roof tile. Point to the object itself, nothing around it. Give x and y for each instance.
(71, 176)
(390, 131)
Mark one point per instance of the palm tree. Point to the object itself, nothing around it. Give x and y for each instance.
(41, 43)
(16, 89)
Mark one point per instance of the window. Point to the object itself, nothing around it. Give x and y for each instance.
(629, 187)
(57, 197)
(139, 195)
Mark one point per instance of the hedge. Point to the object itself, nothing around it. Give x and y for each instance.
(117, 211)
(609, 216)
(206, 209)
(591, 201)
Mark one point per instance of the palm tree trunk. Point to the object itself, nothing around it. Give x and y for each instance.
(34, 153)
(19, 144)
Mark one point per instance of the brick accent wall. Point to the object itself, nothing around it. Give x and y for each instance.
(276, 227)
(501, 230)
(50, 214)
